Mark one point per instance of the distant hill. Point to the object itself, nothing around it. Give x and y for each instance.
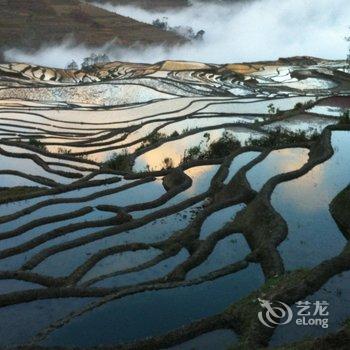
(30, 24)
(148, 4)
(159, 5)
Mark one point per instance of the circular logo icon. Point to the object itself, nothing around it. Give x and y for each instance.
(275, 313)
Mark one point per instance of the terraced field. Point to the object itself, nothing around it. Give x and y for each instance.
(150, 206)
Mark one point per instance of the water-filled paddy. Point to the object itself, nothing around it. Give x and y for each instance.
(171, 242)
(304, 203)
(119, 320)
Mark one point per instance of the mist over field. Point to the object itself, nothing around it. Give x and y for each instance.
(212, 199)
(258, 30)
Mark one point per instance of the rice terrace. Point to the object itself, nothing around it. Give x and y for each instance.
(167, 205)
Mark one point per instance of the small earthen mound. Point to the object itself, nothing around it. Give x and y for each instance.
(123, 217)
(340, 209)
(175, 178)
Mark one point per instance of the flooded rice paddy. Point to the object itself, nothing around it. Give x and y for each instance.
(153, 209)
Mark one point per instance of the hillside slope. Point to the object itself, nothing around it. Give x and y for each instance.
(160, 5)
(155, 5)
(33, 23)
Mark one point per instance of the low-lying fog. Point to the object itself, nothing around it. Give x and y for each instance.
(258, 30)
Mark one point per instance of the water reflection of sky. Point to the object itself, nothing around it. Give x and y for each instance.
(15, 319)
(157, 271)
(220, 339)
(227, 251)
(277, 162)
(304, 204)
(174, 150)
(120, 321)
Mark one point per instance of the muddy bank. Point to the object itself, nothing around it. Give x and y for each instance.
(340, 210)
